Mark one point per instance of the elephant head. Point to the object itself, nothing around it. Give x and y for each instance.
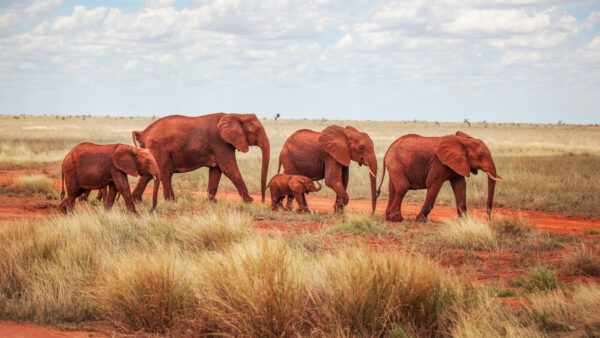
(345, 144)
(464, 155)
(303, 184)
(242, 131)
(137, 161)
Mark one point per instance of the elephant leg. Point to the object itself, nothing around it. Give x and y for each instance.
(109, 197)
(166, 180)
(345, 177)
(101, 194)
(305, 204)
(459, 187)
(230, 168)
(432, 192)
(391, 195)
(333, 179)
(214, 176)
(85, 195)
(140, 187)
(122, 185)
(300, 200)
(290, 199)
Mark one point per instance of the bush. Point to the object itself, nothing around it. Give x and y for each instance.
(468, 233)
(32, 184)
(151, 293)
(366, 293)
(538, 279)
(581, 261)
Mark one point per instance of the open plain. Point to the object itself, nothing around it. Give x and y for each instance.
(196, 267)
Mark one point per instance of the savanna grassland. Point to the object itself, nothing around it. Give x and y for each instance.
(200, 268)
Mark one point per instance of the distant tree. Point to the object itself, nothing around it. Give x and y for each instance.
(466, 121)
(277, 116)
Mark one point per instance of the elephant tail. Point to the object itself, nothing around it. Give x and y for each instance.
(279, 166)
(382, 177)
(62, 184)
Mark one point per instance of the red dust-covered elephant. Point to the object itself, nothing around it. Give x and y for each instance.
(181, 144)
(327, 154)
(417, 162)
(292, 186)
(91, 166)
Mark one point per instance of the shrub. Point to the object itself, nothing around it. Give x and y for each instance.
(510, 225)
(581, 261)
(257, 288)
(468, 233)
(366, 293)
(538, 279)
(151, 293)
(32, 184)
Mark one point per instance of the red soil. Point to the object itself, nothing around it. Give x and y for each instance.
(19, 330)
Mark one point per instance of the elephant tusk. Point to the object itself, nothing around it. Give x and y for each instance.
(497, 179)
(371, 171)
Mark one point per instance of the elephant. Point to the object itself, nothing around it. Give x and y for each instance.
(101, 192)
(417, 162)
(327, 154)
(282, 185)
(91, 166)
(181, 144)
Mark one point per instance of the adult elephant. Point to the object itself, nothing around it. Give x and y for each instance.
(181, 144)
(417, 162)
(327, 154)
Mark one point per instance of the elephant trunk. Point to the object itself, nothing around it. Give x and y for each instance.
(155, 193)
(263, 143)
(372, 165)
(492, 178)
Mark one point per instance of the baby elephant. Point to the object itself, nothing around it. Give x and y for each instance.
(92, 166)
(282, 185)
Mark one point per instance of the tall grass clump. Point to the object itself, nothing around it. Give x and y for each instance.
(513, 225)
(581, 260)
(468, 233)
(359, 224)
(257, 288)
(539, 279)
(366, 293)
(32, 184)
(574, 314)
(146, 292)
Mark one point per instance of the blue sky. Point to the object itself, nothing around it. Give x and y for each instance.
(492, 60)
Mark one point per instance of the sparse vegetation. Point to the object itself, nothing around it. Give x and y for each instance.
(31, 184)
(581, 260)
(468, 233)
(537, 280)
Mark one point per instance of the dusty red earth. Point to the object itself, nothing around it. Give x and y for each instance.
(494, 269)
(21, 330)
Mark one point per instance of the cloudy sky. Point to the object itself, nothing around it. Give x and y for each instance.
(446, 60)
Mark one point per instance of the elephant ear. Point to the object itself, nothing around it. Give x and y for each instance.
(296, 185)
(123, 159)
(230, 129)
(334, 141)
(352, 128)
(461, 134)
(453, 154)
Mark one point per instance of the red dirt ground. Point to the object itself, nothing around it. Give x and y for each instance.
(492, 268)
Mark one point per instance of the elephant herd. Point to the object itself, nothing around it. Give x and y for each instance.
(178, 144)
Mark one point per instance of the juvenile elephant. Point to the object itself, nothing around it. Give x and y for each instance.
(327, 154)
(417, 162)
(101, 192)
(282, 185)
(181, 144)
(91, 166)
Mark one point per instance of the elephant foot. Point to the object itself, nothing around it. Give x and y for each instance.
(247, 199)
(421, 218)
(338, 209)
(137, 199)
(300, 211)
(394, 217)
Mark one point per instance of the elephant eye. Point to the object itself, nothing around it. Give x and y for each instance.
(361, 147)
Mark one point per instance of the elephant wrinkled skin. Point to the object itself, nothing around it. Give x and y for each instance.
(327, 155)
(91, 166)
(417, 162)
(181, 144)
(282, 185)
